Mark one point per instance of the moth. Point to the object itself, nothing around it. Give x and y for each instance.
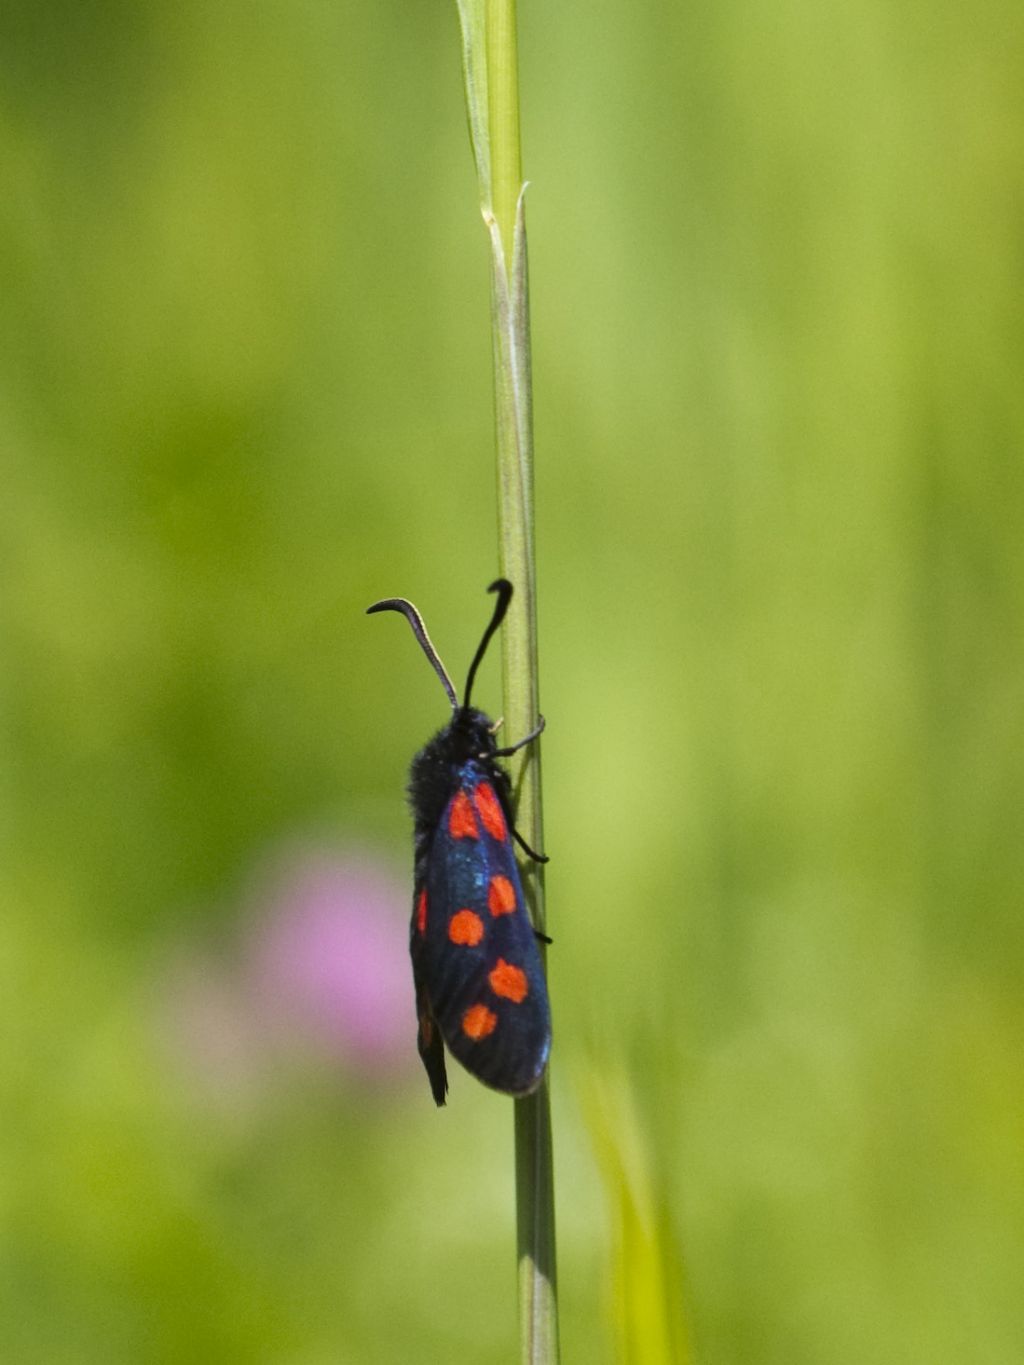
(477, 970)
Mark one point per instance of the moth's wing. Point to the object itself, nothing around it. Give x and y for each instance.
(476, 953)
(428, 1034)
(431, 1048)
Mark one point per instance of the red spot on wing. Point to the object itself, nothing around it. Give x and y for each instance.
(478, 1022)
(421, 912)
(491, 814)
(466, 928)
(461, 820)
(501, 896)
(509, 982)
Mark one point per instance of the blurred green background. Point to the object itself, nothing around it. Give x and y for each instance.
(244, 391)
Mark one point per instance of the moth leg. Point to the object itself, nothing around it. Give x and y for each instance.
(537, 857)
(431, 1045)
(542, 938)
(504, 753)
(512, 748)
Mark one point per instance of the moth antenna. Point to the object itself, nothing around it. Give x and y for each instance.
(504, 590)
(422, 639)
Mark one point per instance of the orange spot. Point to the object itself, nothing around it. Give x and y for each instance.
(421, 912)
(461, 820)
(509, 982)
(501, 896)
(491, 814)
(478, 1022)
(466, 927)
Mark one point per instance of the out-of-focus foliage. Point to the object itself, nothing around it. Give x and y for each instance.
(244, 391)
(647, 1300)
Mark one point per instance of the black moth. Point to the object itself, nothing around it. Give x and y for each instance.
(480, 984)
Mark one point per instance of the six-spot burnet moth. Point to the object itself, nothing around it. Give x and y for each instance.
(477, 971)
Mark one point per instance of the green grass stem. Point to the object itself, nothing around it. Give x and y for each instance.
(492, 98)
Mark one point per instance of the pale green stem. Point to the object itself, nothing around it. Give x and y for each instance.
(503, 116)
(492, 94)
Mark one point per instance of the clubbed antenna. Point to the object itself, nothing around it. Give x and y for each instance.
(423, 639)
(504, 590)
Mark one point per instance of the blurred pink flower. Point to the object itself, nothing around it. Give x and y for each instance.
(328, 957)
(320, 964)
